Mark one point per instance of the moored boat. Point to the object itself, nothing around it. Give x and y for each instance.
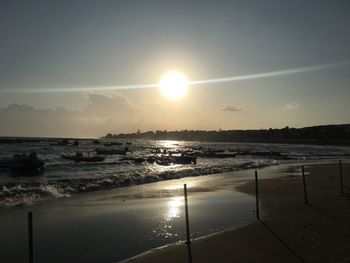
(185, 159)
(217, 155)
(60, 143)
(103, 150)
(79, 157)
(113, 144)
(23, 164)
(96, 141)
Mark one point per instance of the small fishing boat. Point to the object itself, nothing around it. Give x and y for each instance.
(210, 150)
(267, 153)
(113, 144)
(103, 150)
(96, 141)
(163, 161)
(60, 143)
(151, 159)
(79, 157)
(23, 164)
(217, 155)
(185, 159)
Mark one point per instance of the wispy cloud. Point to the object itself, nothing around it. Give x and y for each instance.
(194, 82)
(231, 108)
(272, 73)
(292, 106)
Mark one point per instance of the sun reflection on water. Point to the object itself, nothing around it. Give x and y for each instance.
(170, 143)
(180, 186)
(173, 208)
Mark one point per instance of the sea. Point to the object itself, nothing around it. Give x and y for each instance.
(62, 178)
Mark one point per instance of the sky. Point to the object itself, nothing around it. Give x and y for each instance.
(58, 57)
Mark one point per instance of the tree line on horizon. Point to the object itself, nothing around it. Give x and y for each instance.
(325, 134)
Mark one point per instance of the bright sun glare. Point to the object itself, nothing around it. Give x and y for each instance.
(174, 85)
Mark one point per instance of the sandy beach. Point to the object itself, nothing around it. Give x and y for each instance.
(117, 224)
(289, 231)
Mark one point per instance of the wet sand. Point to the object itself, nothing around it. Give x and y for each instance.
(111, 225)
(289, 230)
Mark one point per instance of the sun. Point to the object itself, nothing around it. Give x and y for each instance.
(174, 85)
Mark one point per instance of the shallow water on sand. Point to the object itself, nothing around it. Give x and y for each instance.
(112, 225)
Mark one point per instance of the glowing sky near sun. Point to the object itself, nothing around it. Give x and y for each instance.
(85, 68)
(168, 79)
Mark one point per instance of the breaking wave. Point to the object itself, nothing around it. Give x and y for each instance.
(26, 193)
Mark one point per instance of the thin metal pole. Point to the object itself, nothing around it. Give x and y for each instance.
(304, 183)
(30, 236)
(257, 195)
(188, 242)
(341, 177)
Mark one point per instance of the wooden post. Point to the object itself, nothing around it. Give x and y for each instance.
(257, 195)
(30, 236)
(304, 183)
(341, 177)
(188, 242)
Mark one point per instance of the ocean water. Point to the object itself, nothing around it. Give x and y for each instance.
(64, 178)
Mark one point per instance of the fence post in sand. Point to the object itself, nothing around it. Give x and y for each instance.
(257, 195)
(188, 242)
(304, 184)
(341, 177)
(30, 237)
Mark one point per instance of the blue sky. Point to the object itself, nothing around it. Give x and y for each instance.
(69, 44)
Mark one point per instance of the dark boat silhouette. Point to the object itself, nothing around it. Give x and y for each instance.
(79, 157)
(23, 164)
(104, 150)
(113, 144)
(96, 141)
(217, 155)
(60, 143)
(185, 159)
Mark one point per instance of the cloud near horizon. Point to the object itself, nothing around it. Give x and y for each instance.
(231, 108)
(25, 120)
(292, 106)
(102, 114)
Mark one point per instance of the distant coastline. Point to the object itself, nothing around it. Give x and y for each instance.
(317, 135)
(321, 135)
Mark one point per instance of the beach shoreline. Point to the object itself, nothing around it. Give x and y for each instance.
(115, 224)
(289, 231)
(146, 222)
